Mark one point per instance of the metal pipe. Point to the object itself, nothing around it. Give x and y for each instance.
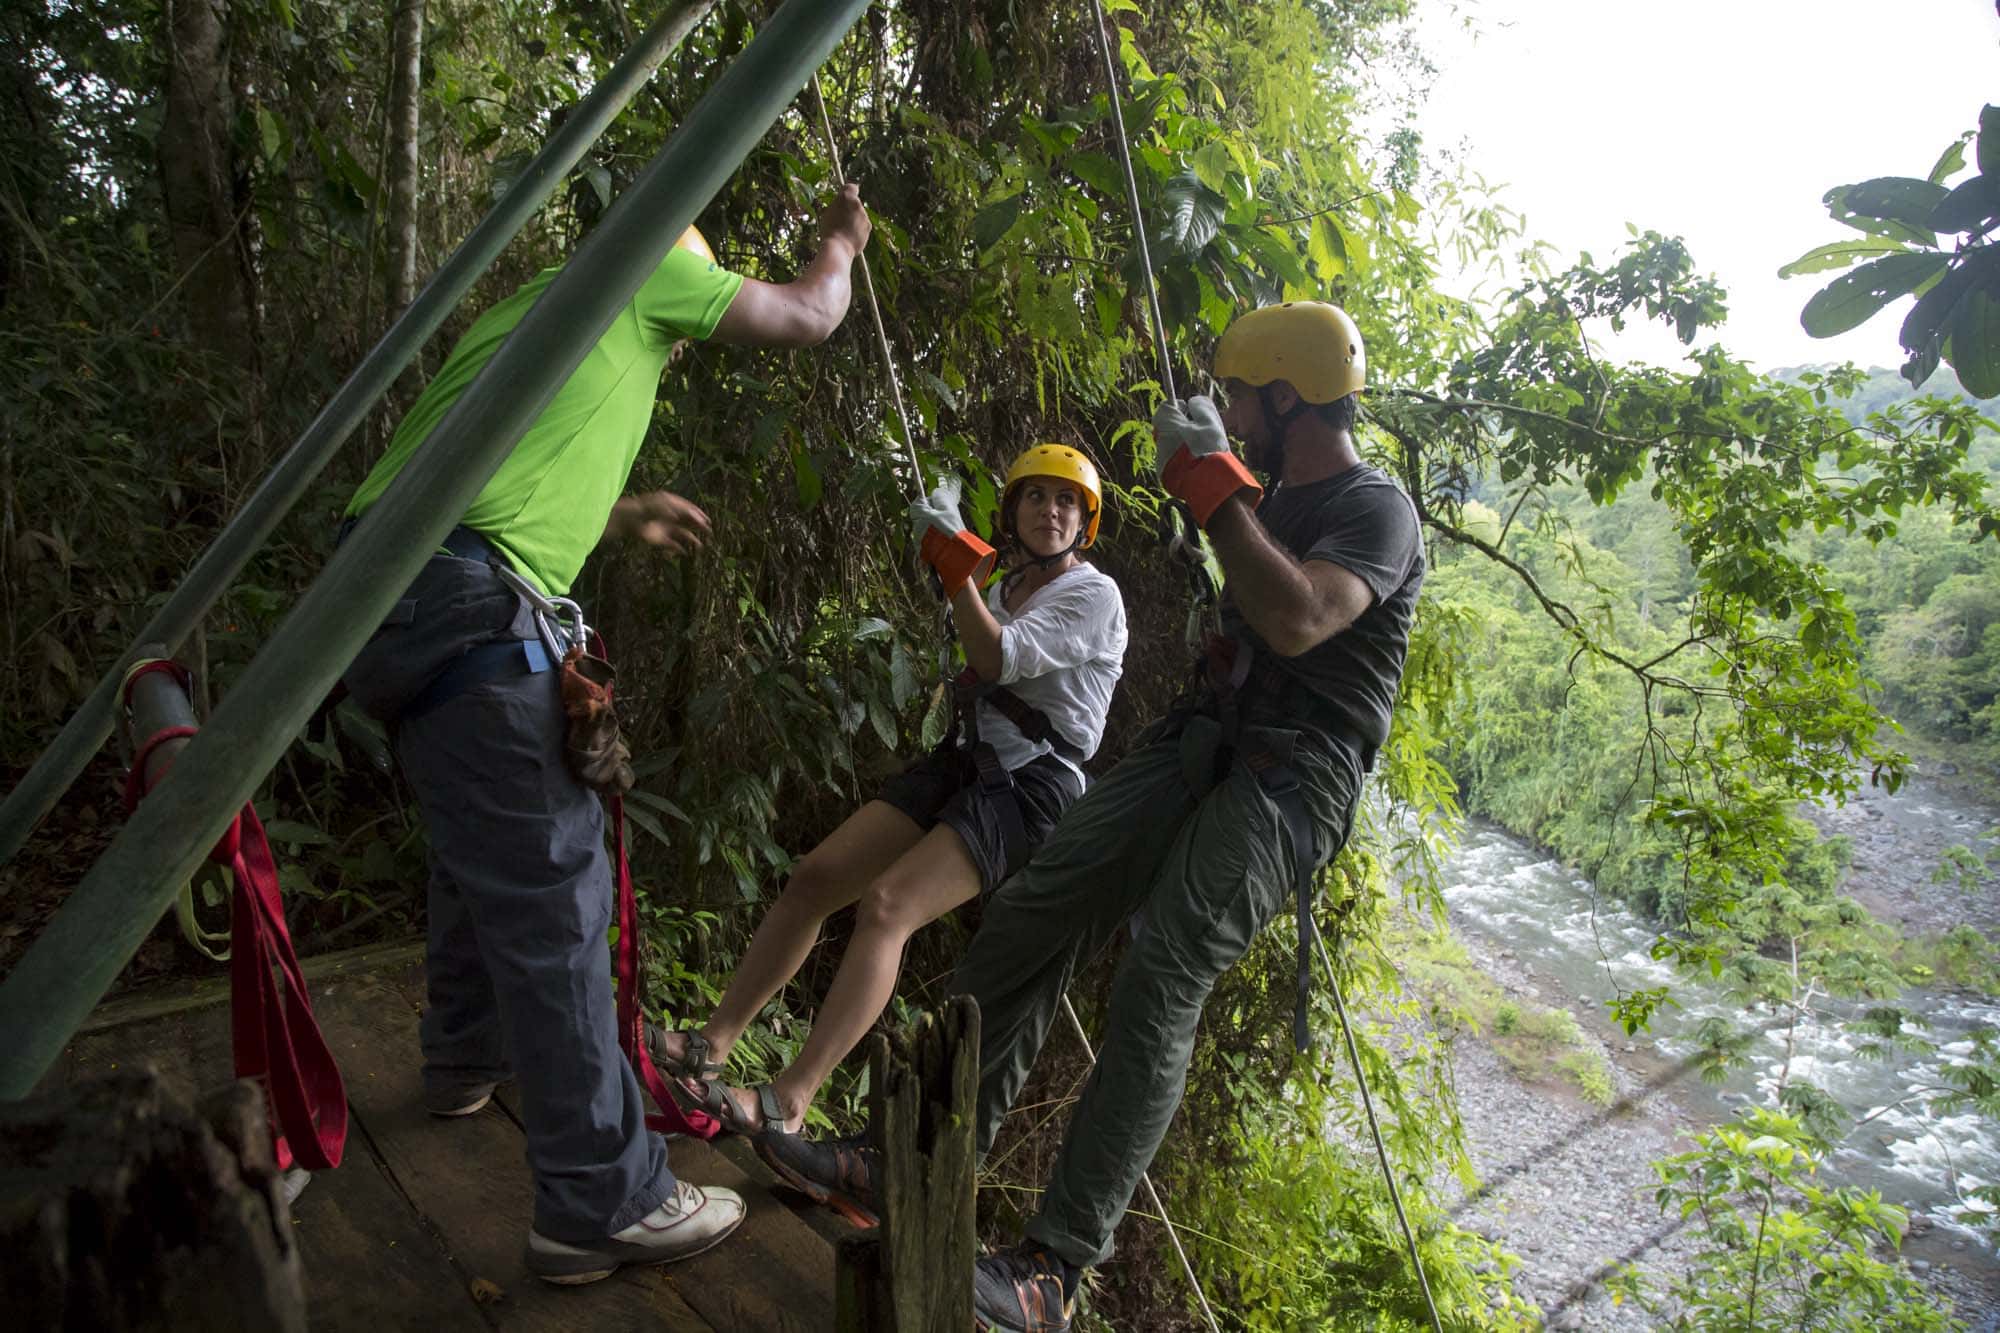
(43, 785)
(52, 988)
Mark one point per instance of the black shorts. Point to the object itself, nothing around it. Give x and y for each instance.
(943, 789)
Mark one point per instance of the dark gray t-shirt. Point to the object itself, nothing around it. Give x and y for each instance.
(1361, 521)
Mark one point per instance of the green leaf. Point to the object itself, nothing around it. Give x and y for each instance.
(660, 803)
(995, 220)
(1951, 161)
(806, 477)
(1897, 206)
(297, 834)
(1853, 298)
(1097, 171)
(272, 135)
(1840, 254)
(651, 825)
(1968, 207)
(903, 683)
(600, 184)
(1988, 153)
(1194, 213)
(1328, 246)
(1212, 163)
(1975, 344)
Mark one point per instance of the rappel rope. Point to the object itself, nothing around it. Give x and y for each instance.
(1152, 1195)
(1179, 541)
(889, 369)
(1178, 530)
(874, 306)
(1375, 1130)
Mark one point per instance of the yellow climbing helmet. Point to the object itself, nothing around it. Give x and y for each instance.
(1311, 345)
(692, 239)
(1061, 461)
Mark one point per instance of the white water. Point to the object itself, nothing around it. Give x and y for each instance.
(1518, 900)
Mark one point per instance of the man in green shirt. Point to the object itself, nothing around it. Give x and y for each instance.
(517, 971)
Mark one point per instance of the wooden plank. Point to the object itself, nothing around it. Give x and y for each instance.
(171, 997)
(369, 1263)
(466, 1178)
(776, 1271)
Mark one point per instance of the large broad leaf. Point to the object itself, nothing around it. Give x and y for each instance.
(1888, 205)
(1853, 298)
(1988, 153)
(995, 220)
(1194, 213)
(1840, 254)
(1969, 207)
(1097, 171)
(1924, 328)
(1974, 351)
(1328, 246)
(1212, 163)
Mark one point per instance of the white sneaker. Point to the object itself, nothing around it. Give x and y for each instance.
(693, 1218)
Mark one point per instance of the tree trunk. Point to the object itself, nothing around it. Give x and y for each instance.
(405, 176)
(122, 1209)
(207, 200)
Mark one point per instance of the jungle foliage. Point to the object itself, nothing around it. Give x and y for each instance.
(172, 320)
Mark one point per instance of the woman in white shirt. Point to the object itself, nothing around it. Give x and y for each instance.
(1045, 648)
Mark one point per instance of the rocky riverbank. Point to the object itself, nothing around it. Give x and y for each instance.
(1568, 1186)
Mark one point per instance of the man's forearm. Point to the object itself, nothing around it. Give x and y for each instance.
(1266, 584)
(827, 283)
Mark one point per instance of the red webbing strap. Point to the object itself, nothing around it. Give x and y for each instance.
(274, 1038)
(669, 1118)
(277, 1041)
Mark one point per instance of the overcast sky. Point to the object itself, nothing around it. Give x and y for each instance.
(1720, 121)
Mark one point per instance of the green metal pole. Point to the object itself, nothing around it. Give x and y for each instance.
(54, 985)
(43, 785)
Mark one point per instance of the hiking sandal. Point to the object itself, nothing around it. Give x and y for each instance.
(693, 1064)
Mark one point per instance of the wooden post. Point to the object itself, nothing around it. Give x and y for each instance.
(913, 1274)
(122, 1208)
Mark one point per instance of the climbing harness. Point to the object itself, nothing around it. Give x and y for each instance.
(274, 1039)
(1228, 670)
(961, 744)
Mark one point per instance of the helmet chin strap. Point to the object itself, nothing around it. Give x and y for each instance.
(1276, 425)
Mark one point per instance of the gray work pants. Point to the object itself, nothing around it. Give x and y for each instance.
(1211, 863)
(517, 969)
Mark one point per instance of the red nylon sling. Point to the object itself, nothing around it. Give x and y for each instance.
(274, 1038)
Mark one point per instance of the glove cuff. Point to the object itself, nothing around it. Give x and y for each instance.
(959, 558)
(1205, 481)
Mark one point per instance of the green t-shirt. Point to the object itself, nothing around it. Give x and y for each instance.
(547, 505)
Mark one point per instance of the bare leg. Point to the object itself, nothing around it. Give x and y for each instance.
(831, 876)
(926, 882)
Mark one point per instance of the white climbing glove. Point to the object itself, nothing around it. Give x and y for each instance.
(1196, 465)
(937, 510)
(958, 556)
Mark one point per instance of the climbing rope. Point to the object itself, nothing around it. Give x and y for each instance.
(874, 307)
(1178, 530)
(1375, 1130)
(1152, 1195)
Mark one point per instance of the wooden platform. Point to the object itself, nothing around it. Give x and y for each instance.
(423, 1225)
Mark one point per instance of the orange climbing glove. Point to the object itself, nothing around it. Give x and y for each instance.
(958, 556)
(1196, 464)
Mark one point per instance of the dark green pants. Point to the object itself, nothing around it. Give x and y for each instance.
(1209, 863)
